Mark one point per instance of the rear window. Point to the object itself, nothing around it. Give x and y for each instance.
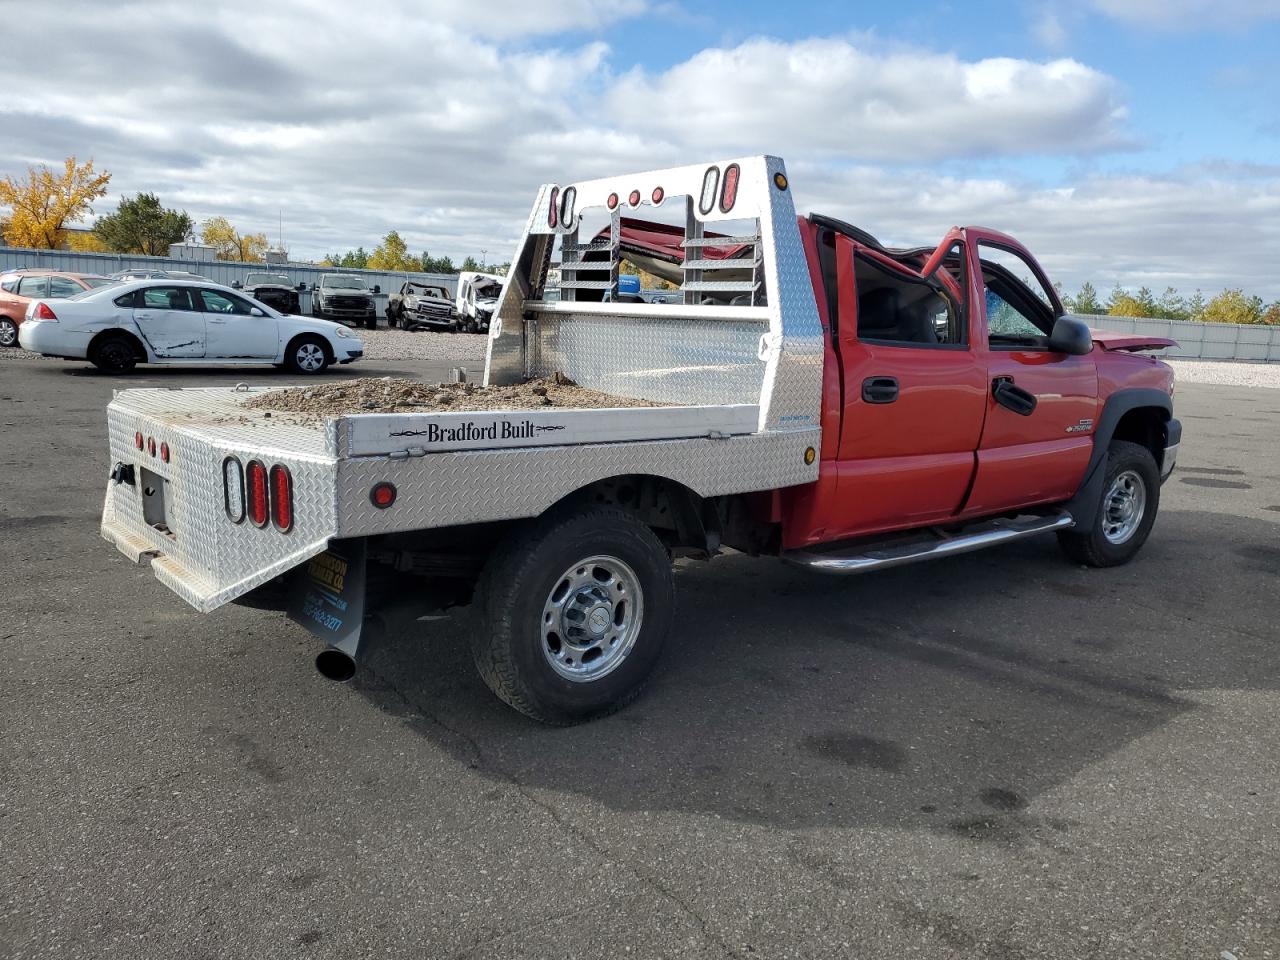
(95, 282)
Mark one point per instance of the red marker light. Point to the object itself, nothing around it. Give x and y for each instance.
(658, 194)
(137, 439)
(634, 199)
(382, 495)
(281, 498)
(612, 201)
(729, 192)
(164, 452)
(552, 211)
(151, 446)
(256, 478)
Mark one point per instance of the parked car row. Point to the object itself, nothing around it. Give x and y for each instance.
(116, 324)
(425, 306)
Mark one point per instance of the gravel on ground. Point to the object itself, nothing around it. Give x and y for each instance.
(424, 345)
(1227, 373)
(401, 395)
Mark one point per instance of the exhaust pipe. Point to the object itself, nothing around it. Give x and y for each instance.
(339, 661)
(336, 664)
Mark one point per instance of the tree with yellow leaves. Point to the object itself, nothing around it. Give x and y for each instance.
(230, 244)
(392, 255)
(47, 201)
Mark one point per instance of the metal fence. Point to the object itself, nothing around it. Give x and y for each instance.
(219, 271)
(1203, 341)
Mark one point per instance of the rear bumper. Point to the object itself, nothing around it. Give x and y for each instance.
(1173, 438)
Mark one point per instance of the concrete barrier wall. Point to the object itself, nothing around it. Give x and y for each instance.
(1202, 341)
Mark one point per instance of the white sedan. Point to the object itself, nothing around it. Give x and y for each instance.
(181, 322)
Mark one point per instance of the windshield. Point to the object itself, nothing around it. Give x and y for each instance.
(259, 279)
(342, 283)
(490, 291)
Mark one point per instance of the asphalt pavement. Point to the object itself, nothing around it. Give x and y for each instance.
(1000, 755)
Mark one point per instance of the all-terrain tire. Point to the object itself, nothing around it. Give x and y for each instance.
(114, 354)
(1126, 513)
(509, 642)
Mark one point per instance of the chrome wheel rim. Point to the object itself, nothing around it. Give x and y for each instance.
(310, 357)
(1123, 506)
(591, 618)
(8, 333)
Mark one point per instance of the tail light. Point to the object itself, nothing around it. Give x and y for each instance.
(258, 497)
(151, 446)
(729, 192)
(137, 439)
(383, 495)
(164, 452)
(553, 208)
(710, 185)
(44, 313)
(281, 498)
(233, 489)
(657, 195)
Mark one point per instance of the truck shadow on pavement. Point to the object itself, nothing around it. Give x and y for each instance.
(944, 695)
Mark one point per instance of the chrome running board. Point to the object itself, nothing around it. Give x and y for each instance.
(978, 536)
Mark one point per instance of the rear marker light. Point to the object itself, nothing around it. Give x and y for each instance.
(281, 498)
(568, 200)
(164, 452)
(382, 495)
(658, 194)
(151, 446)
(137, 439)
(553, 207)
(634, 199)
(258, 496)
(780, 180)
(233, 489)
(612, 201)
(710, 185)
(44, 313)
(729, 192)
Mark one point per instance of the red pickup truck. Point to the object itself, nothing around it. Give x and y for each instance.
(815, 396)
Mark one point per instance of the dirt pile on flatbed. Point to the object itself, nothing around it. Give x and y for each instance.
(400, 395)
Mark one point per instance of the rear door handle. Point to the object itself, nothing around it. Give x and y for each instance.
(880, 389)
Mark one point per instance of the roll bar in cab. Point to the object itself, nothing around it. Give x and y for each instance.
(818, 397)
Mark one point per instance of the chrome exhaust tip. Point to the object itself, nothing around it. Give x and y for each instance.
(336, 665)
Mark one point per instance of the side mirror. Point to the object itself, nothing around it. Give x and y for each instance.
(377, 289)
(1071, 336)
(302, 288)
(255, 312)
(236, 284)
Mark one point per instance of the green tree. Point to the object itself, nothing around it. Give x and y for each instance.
(1123, 304)
(1086, 301)
(1195, 306)
(432, 264)
(1171, 305)
(1147, 301)
(1232, 306)
(141, 225)
(472, 264)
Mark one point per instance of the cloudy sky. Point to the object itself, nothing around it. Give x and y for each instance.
(1129, 141)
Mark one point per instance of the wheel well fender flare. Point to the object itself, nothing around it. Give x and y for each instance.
(139, 347)
(1156, 403)
(663, 503)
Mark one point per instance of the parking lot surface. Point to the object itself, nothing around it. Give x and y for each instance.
(998, 755)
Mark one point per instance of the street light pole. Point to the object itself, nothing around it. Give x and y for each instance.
(484, 260)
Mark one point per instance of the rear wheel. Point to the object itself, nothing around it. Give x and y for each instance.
(114, 354)
(8, 332)
(574, 615)
(1130, 499)
(307, 355)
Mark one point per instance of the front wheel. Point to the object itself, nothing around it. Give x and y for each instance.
(574, 614)
(8, 332)
(1130, 499)
(307, 355)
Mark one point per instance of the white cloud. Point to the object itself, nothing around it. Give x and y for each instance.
(439, 127)
(1194, 14)
(832, 97)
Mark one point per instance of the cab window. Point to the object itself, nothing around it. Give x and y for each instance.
(902, 310)
(1020, 311)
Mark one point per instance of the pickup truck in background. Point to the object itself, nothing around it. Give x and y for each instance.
(477, 299)
(421, 306)
(274, 289)
(824, 399)
(346, 298)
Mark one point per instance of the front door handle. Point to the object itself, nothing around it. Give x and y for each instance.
(880, 389)
(1012, 397)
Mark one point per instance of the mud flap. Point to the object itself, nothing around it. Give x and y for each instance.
(327, 597)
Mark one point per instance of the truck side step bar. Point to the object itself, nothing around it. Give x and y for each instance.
(978, 536)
